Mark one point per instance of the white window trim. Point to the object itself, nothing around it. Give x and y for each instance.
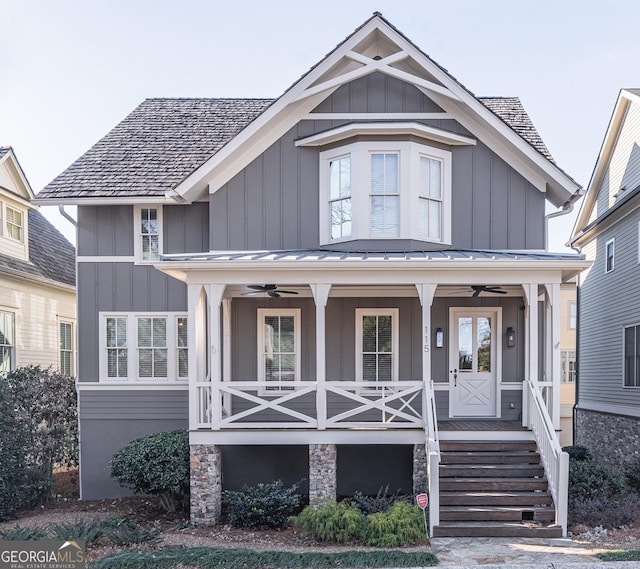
(282, 385)
(624, 328)
(13, 312)
(409, 171)
(565, 368)
(73, 345)
(132, 348)
(137, 235)
(574, 304)
(613, 256)
(395, 357)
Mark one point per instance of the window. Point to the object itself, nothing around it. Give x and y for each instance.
(340, 197)
(385, 214)
(7, 342)
(430, 198)
(573, 315)
(568, 367)
(145, 347)
(377, 344)
(66, 348)
(14, 223)
(278, 347)
(380, 190)
(632, 356)
(609, 256)
(148, 238)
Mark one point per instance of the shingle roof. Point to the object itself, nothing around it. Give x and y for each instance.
(511, 111)
(636, 92)
(153, 149)
(52, 257)
(164, 140)
(4, 150)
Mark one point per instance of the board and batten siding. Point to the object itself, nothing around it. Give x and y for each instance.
(38, 310)
(608, 302)
(273, 203)
(111, 419)
(623, 169)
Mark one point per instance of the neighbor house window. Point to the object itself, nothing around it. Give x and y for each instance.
(14, 223)
(384, 196)
(7, 342)
(609, 256)
(568, 366)
(278, 347)
(340, 197)
(632, 356)
(65, 334)
(377, 345)
(148, 228)
(374, 190)
(145, 347)
(573, 315)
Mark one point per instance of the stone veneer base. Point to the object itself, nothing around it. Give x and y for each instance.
(323, 464)
(206, 484)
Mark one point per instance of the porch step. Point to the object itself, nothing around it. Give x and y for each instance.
(494, 488)
(496, 529)
(497, 513)
(491, 470)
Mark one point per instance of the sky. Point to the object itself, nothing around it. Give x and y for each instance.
(70, 70)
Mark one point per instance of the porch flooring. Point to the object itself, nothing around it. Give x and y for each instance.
(480, 425)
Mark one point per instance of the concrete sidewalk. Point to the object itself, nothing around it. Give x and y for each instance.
(519, 553)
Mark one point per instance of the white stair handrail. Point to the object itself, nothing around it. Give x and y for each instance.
(432, 450)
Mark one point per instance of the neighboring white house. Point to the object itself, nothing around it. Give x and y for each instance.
(37, 280)
(607, 231)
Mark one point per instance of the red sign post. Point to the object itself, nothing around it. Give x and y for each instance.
(422, 500)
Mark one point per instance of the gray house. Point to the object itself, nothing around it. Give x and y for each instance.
(348, 284)
(608, 232)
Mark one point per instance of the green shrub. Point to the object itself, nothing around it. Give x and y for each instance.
(87, 530)
(381, 502)
(18, 533)
(590, 479)
(402, 524)
(126, 532)
(632, 473)
(576, 452)
(261, 506)
(339, 522)
(157, 464)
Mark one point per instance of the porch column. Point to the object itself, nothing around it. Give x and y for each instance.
(194, 334)
(226, 350)
(426, 292)
(214, 294)
(553, 352)
(531, 342)
(320, 297)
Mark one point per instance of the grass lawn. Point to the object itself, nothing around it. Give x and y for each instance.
(207, 557)
(619, 555)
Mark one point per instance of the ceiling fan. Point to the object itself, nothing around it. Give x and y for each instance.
(270, 289)
(477, 289)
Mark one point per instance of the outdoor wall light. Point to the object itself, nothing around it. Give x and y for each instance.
(439, 338)
(511, 337)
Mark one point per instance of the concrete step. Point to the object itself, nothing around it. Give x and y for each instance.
(530, 499)
(496, 529)
(497, 513)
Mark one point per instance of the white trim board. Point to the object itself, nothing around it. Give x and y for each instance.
(128, 386)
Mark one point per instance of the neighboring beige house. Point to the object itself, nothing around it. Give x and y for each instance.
(37, 280)
(568, 317)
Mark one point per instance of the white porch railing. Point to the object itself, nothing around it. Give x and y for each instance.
(432, 450)
(556, 462)
(293, 405)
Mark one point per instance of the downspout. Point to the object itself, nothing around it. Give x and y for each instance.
(567, 208)
(64, 214)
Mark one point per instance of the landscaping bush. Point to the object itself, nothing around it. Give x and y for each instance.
(19, 533)
(402, 524)
(606, 512)
(632, 473)
(590, 479)
(261, 506)
(125, 532)
(331, 521)
(576, 452)
(87, 530)
(381, 502)
(157, 464)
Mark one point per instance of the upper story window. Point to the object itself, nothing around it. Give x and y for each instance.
(609, 256)
(144, 347)
(14, 223)
(7, 342)
(380, 190)
(573, 315)
(148, 233)
(632, 356)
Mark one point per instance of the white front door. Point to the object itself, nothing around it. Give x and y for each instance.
(474, 362)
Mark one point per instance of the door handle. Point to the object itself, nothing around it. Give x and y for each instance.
(455, 377)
